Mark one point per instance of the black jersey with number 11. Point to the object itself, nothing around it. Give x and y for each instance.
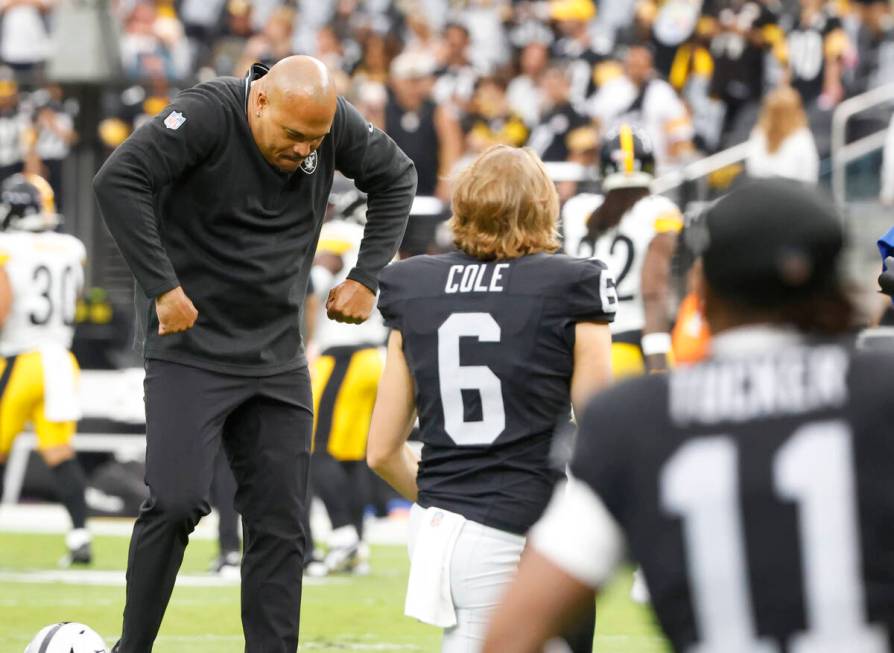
(757, 492)
(490, 347)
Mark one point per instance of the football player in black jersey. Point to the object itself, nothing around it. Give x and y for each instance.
(490, 344)
(753, 488)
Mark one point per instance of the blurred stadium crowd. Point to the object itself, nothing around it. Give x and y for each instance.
(447, 78)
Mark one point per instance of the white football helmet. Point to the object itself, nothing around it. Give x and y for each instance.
(67, 637)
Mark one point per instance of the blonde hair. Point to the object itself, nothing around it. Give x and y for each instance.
(781, 115)
(505, 205)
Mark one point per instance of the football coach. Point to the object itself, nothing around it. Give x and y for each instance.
(216, 205)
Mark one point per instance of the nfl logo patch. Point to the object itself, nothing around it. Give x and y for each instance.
(174, 120)
(309, 164)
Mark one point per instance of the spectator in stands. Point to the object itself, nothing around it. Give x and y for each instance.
(172, 37)
(887, 194)
(874, 45)
(24, 36)
(641, 98)
(676, 32)
(329, 49)
(550, 137)
(55, 136)
(143, 54)
(614, 22)
(524, 92)
(456, 74)
(490, 45)
(742, 33)
(272, 44)
(420, 37)
(816, 45)
(201, 18)
(575, 44)
(313, 15)
(781, 145)
(16, 132)
(377, 53)
(227, 50)
(429, 134)
(491, 120)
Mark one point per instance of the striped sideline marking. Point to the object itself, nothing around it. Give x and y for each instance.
(116, 578)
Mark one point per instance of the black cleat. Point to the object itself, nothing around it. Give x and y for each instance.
(80, 556)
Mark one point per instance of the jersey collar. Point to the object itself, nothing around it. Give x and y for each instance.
(255, 71)
(754, 339)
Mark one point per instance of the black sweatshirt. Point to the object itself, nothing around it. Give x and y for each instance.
(190, 201)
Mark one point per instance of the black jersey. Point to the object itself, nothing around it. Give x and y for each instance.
(758, 494)
(490, 346)
(808, 43)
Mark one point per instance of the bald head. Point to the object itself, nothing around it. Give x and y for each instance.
(291, 110)
(301, 81)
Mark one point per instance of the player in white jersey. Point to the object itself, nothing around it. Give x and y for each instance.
(634, 233)
(41, 276)
(345, 379)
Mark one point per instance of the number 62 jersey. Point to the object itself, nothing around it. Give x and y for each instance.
(490, 348)
(46, 272)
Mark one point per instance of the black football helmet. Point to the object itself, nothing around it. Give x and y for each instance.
(626, 159)
(27, 204)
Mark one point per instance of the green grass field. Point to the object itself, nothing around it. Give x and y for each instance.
(339, 614)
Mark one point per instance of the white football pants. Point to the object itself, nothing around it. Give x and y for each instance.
(483, 565)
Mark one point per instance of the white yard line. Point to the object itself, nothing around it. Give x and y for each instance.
(52, 518)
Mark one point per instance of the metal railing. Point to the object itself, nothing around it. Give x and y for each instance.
(700, 168)
(843, 152)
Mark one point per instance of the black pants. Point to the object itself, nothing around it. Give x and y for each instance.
(264, 425)
(343, 487)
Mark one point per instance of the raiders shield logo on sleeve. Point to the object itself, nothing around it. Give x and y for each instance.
(309, 164)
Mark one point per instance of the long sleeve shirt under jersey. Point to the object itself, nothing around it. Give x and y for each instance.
(191, 202)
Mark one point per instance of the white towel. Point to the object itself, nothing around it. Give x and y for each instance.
(428, 592)
(60, 383)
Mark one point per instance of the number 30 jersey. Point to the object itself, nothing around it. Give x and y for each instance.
(490, 347)
(46, 272)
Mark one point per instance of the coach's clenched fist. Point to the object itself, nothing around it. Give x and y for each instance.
(350, 301)
(175, 311)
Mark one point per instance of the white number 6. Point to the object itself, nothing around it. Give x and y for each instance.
(454, 378)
